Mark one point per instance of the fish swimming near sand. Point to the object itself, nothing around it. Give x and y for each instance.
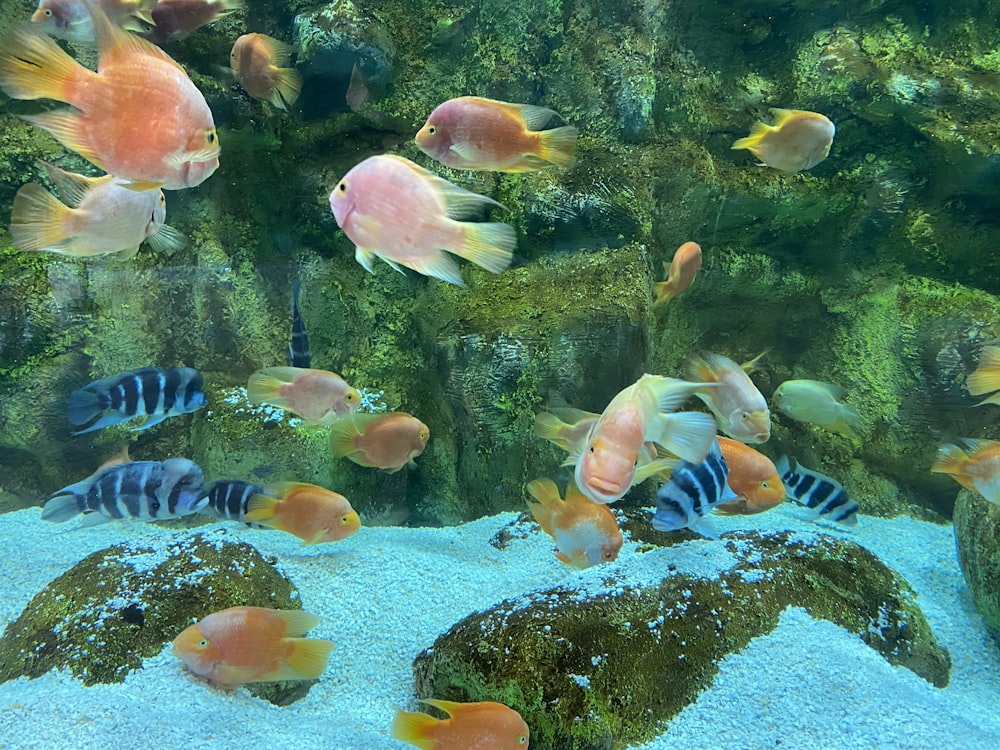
(586, 533)
(318, 396)
(298, 350)
(753, 477)
(818, 403)
(314, 514)
(740, 410)
(693, 491)
(825, 497)
(470, 726)
(143, 490)
(149, 391)
(385, 440)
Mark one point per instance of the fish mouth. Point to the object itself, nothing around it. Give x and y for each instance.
(607, 490)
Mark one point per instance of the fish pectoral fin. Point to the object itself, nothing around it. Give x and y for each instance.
(365, 257)
(393, 264)
(91, 519)
(662, 466)
(687, 434)
(440, 266)
(461, 150)
(705, 527)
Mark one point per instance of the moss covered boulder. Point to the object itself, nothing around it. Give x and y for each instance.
(977, 532)
(122, 604)
(606, 661)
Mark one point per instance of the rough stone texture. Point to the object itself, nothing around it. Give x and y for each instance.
(605, 666)
(119, 605)
(977, 533)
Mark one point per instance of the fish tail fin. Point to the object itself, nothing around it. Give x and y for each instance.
(848, 421)
(84, 405)
(264, 388)
(38, 220)
(752, 141)
(414, 728)
(287, 85)
(309, 657)
(986, 377)
(342, 435)
(489, 245)
(687, 434)
(33, 66)
(61, 507)
(549, 427)
(951, 460)
(547, 494)
(663, 292)
(557, 146)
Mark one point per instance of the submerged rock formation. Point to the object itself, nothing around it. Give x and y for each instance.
(605, 662)
(977, 533)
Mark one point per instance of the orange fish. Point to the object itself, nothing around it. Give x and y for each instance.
(475, 133)
(986, 377)
(585, 533)
(70, 19)
(470, 726)
(607, 460)
(105, 217)
(138, 117)
(253, 644)
(739, 408)
(318, 396)
(311, 513)
(389, 440)
(798, 140)
(977, 468)
(752, 477)
(260, 64)
(392, 209)
(174, 20)
(121, 457)
(685, 265)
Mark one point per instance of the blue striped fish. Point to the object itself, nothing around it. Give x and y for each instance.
(227, 499)
(824, 496)
(298, 349)
(148, 391)
(692, 492)
(144, 490)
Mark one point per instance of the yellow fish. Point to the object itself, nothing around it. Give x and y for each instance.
(986, 377)
(819, 403)
(798, 140)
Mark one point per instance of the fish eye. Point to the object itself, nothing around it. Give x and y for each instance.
(635, 463)
(432, 130)
(343, 520)
(763, 485)
(423, 435)
(591, 449)
(351, 397)
(210, 137)
(607, 555)
(521, 740)
(745, 416)
(47, 13)
(342, 187)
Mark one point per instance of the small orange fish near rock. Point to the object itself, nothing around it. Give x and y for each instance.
(311, 513)
(585, 533)
(318, 396)
(798, 140)
(261, 66)
(475, 133)
(469, 726)
(986, 377)
(388, 440)
(392, 209)
(253, 644)
(174, 20)
(104, 216)
(977, 468)
(139, 117)
(683, 268)
(752, 477)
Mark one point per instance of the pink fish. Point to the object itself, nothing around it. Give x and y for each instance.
(685, 265)
(739, 408)
(606, 466)
(392, 209)
(103, 216)
(798, 140)
(70, 19)
(177, 19)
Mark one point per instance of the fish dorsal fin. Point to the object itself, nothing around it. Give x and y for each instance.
(458, 202)
(72, 187)
(544, 490)
(781, 116)
(115, 44)
(976, 445)
(296, 621)
(572, 416)
(751, 365)
(281, 53)
(535, 117)
(449, 707)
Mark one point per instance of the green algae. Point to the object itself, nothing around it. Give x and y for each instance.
(977, 533)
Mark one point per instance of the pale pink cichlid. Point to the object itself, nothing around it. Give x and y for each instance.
(739, 407)
(798, 140)
(392, 209)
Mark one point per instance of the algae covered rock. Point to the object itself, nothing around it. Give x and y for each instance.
(114, 608)
(606, 661)
(977, 533)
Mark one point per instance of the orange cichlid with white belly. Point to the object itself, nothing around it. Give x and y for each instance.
(313, 514)
(683, 268)
(70, 19)
(318, 396)
(139, 117)
(386, 440)
(471, 132)
(253, 644)
(103, 216)
(739, 407)
(392, 209)
(261, 66)
(798, 140)
(607, 461)
(752, 477)
(585, 532)
(470, 726)
(977, 467)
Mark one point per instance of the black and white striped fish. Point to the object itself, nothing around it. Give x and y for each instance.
(144, 490)
(824, 496)
(227, 499)
(298, 349)
(148, 391)
(692, 492)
